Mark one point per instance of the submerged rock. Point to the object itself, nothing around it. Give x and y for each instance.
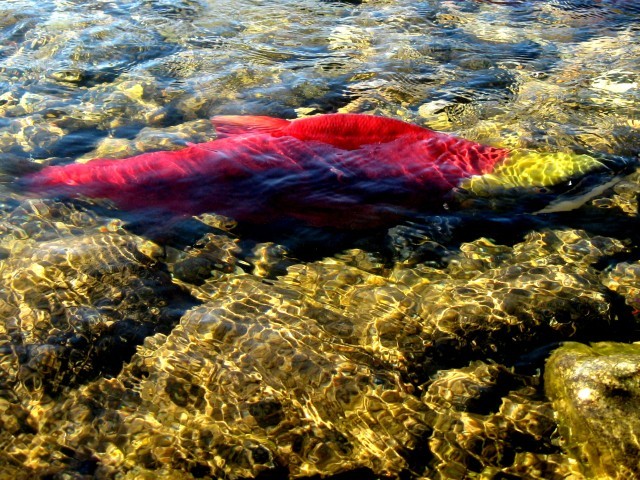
(624, 279)
(450, 308)
(493, 297)
(149, 138)
(492, 423)
(81, 305)
(76, 302)
(596, 393)
(325, 370)
(244, 386)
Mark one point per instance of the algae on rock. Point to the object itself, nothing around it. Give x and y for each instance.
(596, 393)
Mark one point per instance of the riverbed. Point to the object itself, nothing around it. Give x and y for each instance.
(490, 337)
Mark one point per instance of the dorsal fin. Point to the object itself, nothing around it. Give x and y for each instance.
(227, 125)
(350, 131)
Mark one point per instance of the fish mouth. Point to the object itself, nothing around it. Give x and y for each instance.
(579, 195)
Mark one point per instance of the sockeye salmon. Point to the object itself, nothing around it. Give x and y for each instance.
(339, 170)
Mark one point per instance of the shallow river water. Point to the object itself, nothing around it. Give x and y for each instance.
(487, 336)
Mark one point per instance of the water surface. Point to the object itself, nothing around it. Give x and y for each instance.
(133, 345)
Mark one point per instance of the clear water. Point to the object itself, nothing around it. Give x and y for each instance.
(557, 82)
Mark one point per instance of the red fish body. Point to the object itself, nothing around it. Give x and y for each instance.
(342, 170)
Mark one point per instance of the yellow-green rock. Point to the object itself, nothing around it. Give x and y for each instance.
(596, 393)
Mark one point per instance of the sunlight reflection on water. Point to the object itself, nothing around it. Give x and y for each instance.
(139, 345)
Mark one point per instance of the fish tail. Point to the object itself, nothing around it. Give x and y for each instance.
(228, 125)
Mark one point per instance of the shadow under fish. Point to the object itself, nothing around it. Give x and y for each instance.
(343, 172)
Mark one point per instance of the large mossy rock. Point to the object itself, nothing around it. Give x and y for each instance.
(596, 393)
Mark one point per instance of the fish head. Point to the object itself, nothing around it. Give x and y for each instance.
(544, 182)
